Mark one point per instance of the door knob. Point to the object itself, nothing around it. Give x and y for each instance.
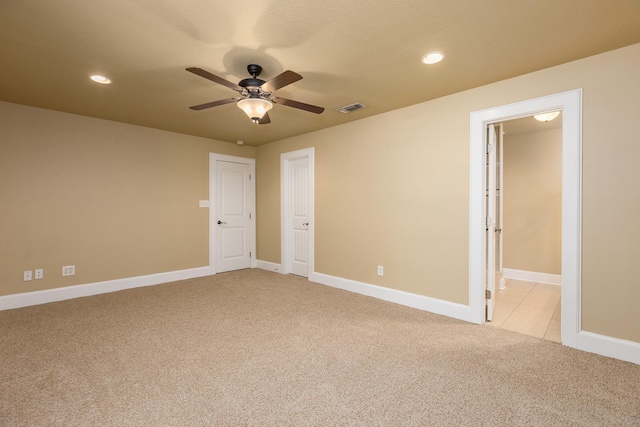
(305, 223)
(221, 223)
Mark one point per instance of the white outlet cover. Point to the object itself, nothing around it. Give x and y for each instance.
(27, 275)
(39, 273)
(68, 270)
(204, 203)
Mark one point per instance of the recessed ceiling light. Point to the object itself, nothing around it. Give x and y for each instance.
(100, 79)
(432, 58)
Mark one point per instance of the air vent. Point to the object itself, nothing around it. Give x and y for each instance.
(351, 108)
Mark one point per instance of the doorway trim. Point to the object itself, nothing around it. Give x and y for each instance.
(570, 103)
(286, 240)
(213, 158)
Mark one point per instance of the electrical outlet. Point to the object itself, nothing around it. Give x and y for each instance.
(68, 270)
(380, 270)
(39, 273)
(27, 275)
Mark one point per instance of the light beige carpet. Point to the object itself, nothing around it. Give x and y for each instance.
(254, 348)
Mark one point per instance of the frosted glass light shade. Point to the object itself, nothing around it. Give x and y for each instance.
(546, 117)
(255, 108)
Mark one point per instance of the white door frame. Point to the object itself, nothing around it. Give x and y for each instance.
(286, 242)
(571, 105)
(213, 158)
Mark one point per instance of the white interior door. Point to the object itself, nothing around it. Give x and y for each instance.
(233, 216)
(491, 221)
(299, 209)
(499, 204)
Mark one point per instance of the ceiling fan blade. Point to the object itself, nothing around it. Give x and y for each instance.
(299, 105)
(207, 75)
(214, 103)
(265, 120)
(281, 80)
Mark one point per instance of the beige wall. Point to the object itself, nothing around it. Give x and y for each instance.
(393, 189)
(120, 201)
(381, 199)
(532, 224)
(113, 199)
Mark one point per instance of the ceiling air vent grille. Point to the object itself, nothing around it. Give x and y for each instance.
(351, 108)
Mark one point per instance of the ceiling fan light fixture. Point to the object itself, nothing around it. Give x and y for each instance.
(255, 108)
(546, 117)
(432, 58)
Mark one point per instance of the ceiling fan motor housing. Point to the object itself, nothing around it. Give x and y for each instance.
(255, 70)
(247, 83)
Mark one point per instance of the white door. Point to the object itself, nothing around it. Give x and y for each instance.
(233, 216)
(499, 203)
(299, 209)
(297, 181)
(491, 221)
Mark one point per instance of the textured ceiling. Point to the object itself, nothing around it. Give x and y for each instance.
(347, 51)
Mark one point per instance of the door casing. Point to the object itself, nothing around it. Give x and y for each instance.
(570, 103)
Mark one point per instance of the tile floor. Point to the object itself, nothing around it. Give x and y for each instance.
(528, 308)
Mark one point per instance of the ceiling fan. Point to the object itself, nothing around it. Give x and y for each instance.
(255, 94)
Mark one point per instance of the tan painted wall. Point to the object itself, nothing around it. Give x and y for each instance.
(532, 225)
(113, 199)
(393, 189)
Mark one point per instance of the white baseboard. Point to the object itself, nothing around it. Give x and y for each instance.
(69, 292)
(616, 348)
(433, 305)
(532, 276)
(586, 341)
(270, 266)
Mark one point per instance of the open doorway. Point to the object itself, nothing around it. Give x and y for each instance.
(570, 104)
(528, 231)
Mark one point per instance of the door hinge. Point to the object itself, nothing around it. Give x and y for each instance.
(249, 215)
(249, 254)
(489, 148)
(249, 177)
(489, 221)
(487, 294)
